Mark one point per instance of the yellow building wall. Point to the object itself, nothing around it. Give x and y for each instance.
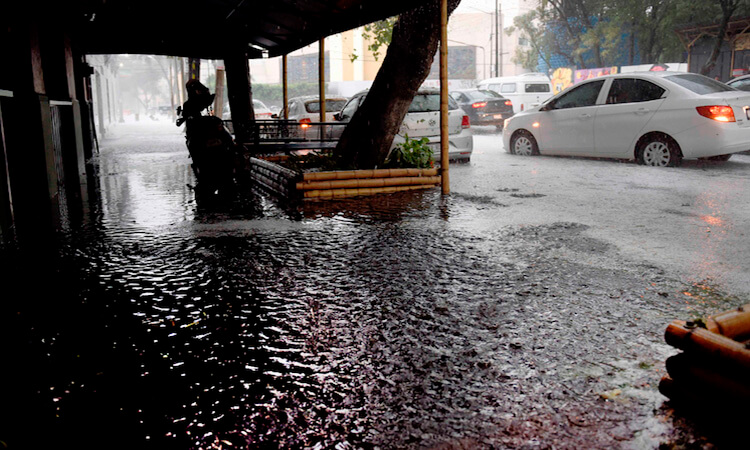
(347, 47)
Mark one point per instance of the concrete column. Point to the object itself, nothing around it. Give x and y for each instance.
(81, 74)
(7, 225)
(219, 91)
(239, 90)
(32, 169)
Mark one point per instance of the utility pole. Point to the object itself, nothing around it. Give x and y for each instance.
(498, 39)
(500, 36)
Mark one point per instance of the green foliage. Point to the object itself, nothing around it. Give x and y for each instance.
(537, 36)
(379, 34)
(414, 153)
(596, 28)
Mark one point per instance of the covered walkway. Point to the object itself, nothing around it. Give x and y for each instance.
(46, 127)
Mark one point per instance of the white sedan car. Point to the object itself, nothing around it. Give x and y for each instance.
(655, 118)
(423, 120)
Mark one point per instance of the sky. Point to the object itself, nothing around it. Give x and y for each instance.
(467, 6)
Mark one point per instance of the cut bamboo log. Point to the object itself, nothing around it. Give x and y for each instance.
(375, 173)
(708, 375)
(672, 390)
(734, 324)
(344, 193)
(367, 183)
(706, 343)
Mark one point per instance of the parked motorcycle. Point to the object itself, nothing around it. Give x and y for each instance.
(209, 143)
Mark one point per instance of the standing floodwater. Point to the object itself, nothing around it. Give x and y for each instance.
(405, 320)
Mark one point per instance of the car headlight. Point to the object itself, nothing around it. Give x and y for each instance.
(506, 122)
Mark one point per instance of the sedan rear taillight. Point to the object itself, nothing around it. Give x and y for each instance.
(465, 122)
(508, 103)
(479, 105)
(721, 113)
(305, 123)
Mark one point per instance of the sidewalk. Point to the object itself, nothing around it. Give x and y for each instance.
(399, 321)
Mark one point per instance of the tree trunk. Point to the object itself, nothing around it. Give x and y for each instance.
(631, 44)
(367, 138)
(240, 94)
(727, 9)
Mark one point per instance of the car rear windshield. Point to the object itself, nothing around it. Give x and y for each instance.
(429, 103)
(331, 106)
(482, 94)
(699, 84)
(537, 87)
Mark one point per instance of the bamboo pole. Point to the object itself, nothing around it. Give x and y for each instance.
(368, 183)
(343, 193)
(376, 173)
(322, 83)
(444, 160)
(704, 342)
(732, 324)
(285, 87)
(707, 374)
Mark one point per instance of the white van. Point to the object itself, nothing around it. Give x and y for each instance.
(525, 91)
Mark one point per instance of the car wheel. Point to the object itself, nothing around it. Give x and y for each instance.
(524, 144)
(659, 150)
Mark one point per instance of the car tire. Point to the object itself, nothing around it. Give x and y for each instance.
(658, 150)
(523, 143)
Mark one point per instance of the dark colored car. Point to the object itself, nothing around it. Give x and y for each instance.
(484, 107)
(742, 83)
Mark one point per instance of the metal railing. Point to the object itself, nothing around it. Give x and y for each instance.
(279, 131)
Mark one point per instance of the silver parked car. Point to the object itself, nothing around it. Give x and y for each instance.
(423, 120)
(306, 111)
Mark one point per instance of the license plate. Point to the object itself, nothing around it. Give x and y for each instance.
(498, 116)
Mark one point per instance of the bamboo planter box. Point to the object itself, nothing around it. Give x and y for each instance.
(351, 183)
(291, 184)
(715, 360)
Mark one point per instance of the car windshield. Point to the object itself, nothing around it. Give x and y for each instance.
(429, 103)
(699, 84)
(331, 106)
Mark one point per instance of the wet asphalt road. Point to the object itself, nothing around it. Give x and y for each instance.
(525, 310)
(692, 220)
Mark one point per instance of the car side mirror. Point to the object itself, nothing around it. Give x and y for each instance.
(274, 116)
(337, 117)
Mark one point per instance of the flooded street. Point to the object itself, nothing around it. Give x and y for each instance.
(525, 310)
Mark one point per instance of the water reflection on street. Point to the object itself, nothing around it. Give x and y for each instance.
(386, 322)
